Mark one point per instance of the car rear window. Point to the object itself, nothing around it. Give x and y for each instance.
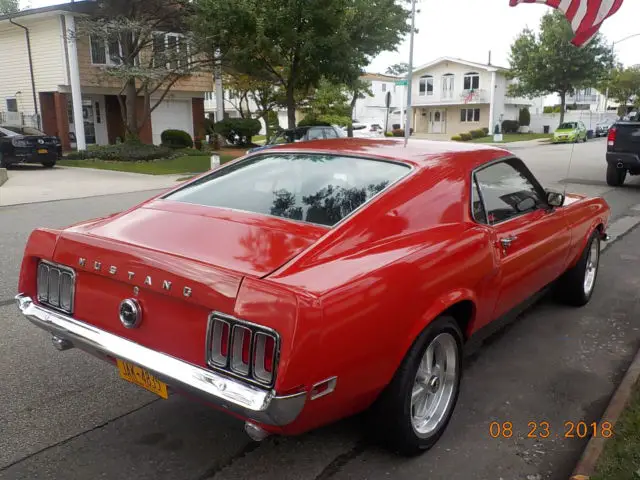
(320, 189)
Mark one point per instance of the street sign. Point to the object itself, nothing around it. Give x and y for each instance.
(401, 83)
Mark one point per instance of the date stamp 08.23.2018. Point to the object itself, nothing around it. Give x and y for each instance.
(545, 429)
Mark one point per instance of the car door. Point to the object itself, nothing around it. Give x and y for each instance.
(531, 242)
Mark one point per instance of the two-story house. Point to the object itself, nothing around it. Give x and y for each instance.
(53, 77)
(451, 96)
(372, 108)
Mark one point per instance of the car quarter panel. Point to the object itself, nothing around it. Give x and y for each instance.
(583, 216)
(41, 244)
(378, 281)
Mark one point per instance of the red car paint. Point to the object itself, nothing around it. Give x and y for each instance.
(347, 301)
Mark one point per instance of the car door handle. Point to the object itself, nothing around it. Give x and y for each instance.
(507, 241)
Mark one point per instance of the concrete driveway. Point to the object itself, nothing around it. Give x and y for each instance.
(33, 183)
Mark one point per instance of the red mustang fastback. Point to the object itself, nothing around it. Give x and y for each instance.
(305, 283)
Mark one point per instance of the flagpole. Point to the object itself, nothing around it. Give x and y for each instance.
(409, 73)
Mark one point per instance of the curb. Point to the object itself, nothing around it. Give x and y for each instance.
(591, 454)
(4, 176)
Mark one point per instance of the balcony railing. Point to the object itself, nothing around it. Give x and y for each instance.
(452, 97)
(582, 99)
(20, 119)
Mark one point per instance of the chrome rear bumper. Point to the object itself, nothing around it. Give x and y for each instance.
(250, 402)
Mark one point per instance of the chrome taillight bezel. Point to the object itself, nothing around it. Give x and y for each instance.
(61, 269)
(224, 364)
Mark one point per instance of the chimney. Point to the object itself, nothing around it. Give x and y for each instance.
(489, 63)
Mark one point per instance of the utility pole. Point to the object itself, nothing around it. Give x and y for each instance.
(219, 89)
(407, 125)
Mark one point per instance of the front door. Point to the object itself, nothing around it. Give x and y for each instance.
(437, 121)
(531, 244)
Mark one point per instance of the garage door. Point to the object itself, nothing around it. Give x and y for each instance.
(171, 115)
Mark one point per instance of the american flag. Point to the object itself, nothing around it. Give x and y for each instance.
(585, 16)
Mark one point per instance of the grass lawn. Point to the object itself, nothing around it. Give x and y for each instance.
(185, 164)
(513, 137)
(621, 457)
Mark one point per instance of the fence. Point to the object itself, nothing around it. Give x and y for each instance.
(552, 120)
(20, 119)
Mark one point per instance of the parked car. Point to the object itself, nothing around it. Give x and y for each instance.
(602, 128)
(623, 150)
(570, 132)
(366, 130)
(346, 275)
(28, 145)
(302, 134)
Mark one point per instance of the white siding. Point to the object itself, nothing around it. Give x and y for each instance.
(48, 60)
(458, 70)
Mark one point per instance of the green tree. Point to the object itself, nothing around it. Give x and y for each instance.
(9, 6)
(146, 63)
(296, 43)
(624, 85)
(398, 69)
(549, 63)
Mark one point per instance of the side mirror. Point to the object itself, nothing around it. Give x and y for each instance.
(555, 199)
(526, 204)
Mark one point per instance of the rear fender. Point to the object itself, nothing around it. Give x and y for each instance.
(437, 308)
(41, 245)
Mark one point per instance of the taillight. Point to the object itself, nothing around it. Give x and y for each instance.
(263, 357)
(242, 349)
(611, 137)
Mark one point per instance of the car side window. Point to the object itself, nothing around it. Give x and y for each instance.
(330, 133)
(506, 191)
(315, 134)
(479, 215)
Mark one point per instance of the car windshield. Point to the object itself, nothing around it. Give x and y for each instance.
(11, 130)
(321, 189)
(567, 125)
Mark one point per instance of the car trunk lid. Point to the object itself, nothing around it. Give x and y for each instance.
(180, 262)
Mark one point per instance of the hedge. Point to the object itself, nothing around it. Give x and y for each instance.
(128, 152)
(465, 136)
(456, 138)
(176, 139)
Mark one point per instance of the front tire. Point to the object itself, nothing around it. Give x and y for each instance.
(415, 408)
(615, 175)
(577, 284)
(48, 164)
(2, 161)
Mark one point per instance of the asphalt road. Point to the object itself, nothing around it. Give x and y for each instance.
(69, 416)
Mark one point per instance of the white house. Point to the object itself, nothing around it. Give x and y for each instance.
(451, 96)
(372, 108)
(54, 79)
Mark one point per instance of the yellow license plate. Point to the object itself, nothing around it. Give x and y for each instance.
(43, 150)
(139, 376)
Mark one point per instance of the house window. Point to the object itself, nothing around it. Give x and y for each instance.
(469, 115)
(471, 81)
(447, 85)
(172, 50)
(105, 52)
(426, 85)
(384, 87)
(12, 105)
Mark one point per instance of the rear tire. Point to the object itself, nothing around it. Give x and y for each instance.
(413, 411)
(48, 164)
(577, 284)
(615, 175)
(2, 162)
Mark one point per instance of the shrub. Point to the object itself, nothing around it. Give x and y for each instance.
(479, 133)
(273, 124)
(208, 126)
(525, 117)
(311, 120)
(238, 131)
(388, 134)
(176, 139)
(397, 132)
(510, 126)
(456, 138)
(485, 130)
(465, 137)
(128, 152)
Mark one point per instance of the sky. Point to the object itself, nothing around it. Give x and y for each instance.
(469, 29)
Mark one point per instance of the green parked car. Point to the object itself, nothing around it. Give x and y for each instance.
(570, 132)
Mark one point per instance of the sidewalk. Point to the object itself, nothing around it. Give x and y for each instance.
(30, 184)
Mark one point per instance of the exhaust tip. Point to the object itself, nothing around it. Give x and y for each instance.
(255, 433)
(620, 165)
(61, 344)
